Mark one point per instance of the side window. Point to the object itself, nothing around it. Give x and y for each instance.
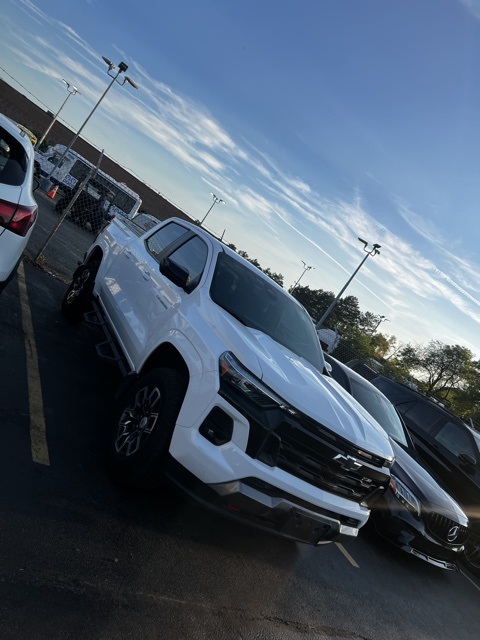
(422, 415)
(192, 257)
(454, 438)
(160, 240)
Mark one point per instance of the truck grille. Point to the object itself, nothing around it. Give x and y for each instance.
(440, 527)
(313, 453)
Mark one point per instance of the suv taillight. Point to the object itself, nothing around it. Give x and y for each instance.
(17, 218)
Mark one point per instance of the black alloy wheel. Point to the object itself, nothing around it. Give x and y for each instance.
(143, 426)
(138, 420)
(78, 295)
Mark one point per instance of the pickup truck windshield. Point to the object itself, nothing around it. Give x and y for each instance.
(258, 304)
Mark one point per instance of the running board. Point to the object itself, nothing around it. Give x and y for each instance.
(107, 350)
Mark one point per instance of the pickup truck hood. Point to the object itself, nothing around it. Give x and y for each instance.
(300, 384)
(424, 487)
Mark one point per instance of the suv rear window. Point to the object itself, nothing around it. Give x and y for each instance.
(13, 160)
(454, 438)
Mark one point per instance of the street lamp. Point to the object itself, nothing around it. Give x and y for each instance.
(72, 90)
(305, 269)
(122, 67)
(380, 320)
(372, 252)
(216, 200)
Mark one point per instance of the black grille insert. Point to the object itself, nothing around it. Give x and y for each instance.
(330, 463)
(446, 530)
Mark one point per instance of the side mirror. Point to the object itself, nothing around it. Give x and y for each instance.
(328, 368)
(174, 272)
(467, 459)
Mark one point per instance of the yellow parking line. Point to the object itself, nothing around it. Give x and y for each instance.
(470, 580)
(347, 555)
(38, 439)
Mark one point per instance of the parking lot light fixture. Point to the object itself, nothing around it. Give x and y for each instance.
(305, 269)
(72, 90)
(122, 67)
(372, 252)
(216, 200)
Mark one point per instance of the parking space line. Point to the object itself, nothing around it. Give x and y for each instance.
(347, 555)
(470, 580)
(38, 439)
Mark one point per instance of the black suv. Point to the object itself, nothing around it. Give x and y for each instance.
(449, 449)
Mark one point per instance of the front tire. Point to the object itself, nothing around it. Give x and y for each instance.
(471, 554)
(140, 437)
(78, 295)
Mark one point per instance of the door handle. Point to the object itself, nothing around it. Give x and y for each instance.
(145, 274)
(128, 254)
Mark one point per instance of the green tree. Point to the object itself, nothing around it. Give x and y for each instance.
(465, 401)
(440, 367)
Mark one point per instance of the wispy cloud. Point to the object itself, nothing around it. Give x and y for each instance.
(424, 227)
(473, 6)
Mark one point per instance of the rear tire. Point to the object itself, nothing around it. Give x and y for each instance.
(142, 429)
(78, 295)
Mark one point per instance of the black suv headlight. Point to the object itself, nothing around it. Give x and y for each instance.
(404, 495)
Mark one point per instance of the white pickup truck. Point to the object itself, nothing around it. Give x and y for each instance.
(226, 391)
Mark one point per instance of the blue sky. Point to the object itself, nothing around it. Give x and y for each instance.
(317, 121)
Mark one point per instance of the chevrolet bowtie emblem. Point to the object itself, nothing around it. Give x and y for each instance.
(348, 463)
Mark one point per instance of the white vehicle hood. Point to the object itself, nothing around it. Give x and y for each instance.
(300, 384)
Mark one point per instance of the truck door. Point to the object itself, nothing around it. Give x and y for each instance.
(138, 297)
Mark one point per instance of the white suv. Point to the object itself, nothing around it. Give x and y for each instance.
(18, 209)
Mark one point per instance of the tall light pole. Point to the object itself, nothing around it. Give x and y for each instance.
(216, 200)
(372, 252)
(305, 269)
(380, 320)
(122, 67)
(72, 90)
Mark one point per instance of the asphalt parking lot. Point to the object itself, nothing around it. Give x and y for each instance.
(83, 559)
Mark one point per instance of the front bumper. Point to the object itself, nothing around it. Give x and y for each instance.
(394, 522)
(266, 507)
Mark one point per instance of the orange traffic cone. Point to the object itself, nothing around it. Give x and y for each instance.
(53, 192)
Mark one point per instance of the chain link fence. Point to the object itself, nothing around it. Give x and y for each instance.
(69, 219)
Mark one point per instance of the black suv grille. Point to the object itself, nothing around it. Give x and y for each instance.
(444, 529)
(329, 462)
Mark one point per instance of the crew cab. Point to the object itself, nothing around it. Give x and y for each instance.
(226, 390)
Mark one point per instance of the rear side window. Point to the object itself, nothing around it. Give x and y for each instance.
(192, 257)
(423, 416)
(454, 438)
(13, 160)
(162, 238)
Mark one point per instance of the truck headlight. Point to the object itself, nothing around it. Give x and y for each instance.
(404, 495)
(241, 380)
